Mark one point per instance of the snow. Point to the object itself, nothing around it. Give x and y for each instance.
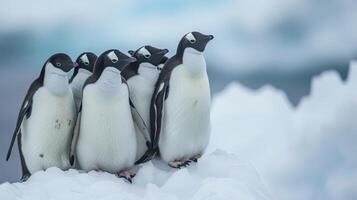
(218, 176)
(307, 152)
(261, 148)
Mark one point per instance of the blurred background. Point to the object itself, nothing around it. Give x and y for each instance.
(283, 43)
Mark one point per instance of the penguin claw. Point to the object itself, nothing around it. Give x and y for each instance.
(179, 164)
(129, 179)
(24, 178)
(187, 163)
(195, 158)
(127, 175)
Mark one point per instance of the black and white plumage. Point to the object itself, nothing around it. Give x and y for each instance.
(46, 119)
(107, 139)
(84, 68)
(141, 77)
(180, 106)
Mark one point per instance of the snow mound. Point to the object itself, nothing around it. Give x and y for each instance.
(218, 175)
(307, 152)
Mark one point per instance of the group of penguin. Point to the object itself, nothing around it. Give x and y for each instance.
(111, 112)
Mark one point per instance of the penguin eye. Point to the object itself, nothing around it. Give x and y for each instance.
(192, 41)
(114, 60)
(86, 63)
(58, 64)
(147, 56)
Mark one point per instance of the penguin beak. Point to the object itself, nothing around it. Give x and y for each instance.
(130, 60)
(164, 51)
(209, 37)
(68, 66)
(131, 52)
(72, 65)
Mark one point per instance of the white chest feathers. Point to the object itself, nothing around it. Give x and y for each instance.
(47, 134)
(149, 72)
(77, 84)
(56, 80)
(194, 61)
(141, 88)
(107, 138)
(109, 82)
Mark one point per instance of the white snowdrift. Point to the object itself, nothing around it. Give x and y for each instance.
(306, 152)
(218, 176)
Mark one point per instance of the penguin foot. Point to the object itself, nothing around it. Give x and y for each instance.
(25, 177)
(178, 164)
(127, 175)
(195, 158)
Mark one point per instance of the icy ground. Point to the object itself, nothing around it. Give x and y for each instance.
(261, 148)
(218, 176)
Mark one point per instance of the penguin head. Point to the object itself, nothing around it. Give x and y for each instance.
(55, 72)
(60, 61)
(149, 54)
(86, 61)
(194, 40)
(60, 64)
(112, 58)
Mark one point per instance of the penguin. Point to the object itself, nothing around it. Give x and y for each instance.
(162, 61)
(46, 119)
(180, 105)
(107, 138)
(141, 77)
(83, 69)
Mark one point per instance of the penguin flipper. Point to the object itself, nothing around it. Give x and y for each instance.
(149, 154)
(156, 112)
(76, 130)
(139, 121)
(25, 110)
(159, 96)
(25, 172)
